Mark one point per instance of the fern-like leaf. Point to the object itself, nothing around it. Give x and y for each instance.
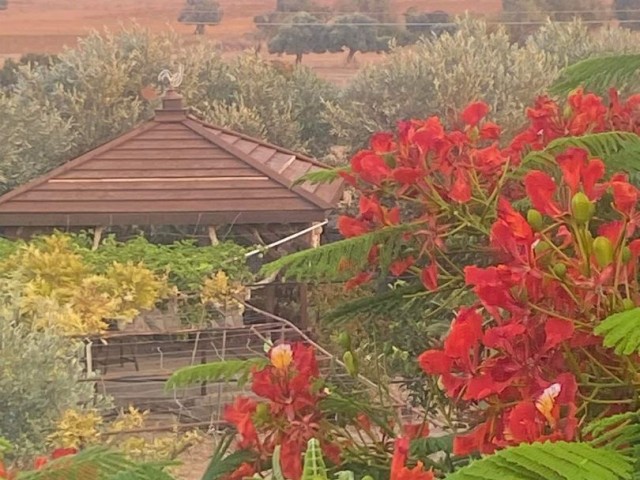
(549, 461)
(276, 466)
(222, 464)
(618, 150)
(321, 176)
(314, 466)
(599, 74)
(327, 261)
(618, 432)
(214, 372)
(621, 331)
(97, 463)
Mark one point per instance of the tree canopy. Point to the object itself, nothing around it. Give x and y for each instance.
(356, 32)
(303, 34)
(201, 13)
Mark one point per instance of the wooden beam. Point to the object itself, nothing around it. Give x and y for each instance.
(97, 236)
(213, 236)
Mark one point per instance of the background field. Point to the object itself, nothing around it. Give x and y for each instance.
(49, 25)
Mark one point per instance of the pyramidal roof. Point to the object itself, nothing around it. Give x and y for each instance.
(174, 170)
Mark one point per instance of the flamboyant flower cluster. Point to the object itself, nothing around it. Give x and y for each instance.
(39, 463)
(288, 413)
(524, 357)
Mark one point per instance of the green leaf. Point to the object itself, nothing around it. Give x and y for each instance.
(549, 461)
(423, 447)
(599, 74)
(314, 466)
(219, 467)
(324, 262)
(618, 150)
(214, 372)
(321, 176)
(276, 467)
(621, 331)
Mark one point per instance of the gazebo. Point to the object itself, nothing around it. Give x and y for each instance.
(175, 170)
(172, 170)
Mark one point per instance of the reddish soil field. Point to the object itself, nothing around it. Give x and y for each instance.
(49, 25)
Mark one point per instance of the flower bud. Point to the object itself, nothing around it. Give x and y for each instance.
(351, 363)
(626, 255)
(534, 217)
(344, 340)
(581, 208)
(560, 270)
(603, 251)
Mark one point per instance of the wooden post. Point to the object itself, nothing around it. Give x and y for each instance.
(316, 236)
(213, 236)
(97, 237)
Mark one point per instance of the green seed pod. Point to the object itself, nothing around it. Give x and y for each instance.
(625, 255)
(351, 363)
(603, 251)
(344, 340)
(581, 208)
(534, 217)
(560, 270)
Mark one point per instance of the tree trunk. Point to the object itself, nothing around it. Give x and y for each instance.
(199, 29)
(352, 53)
(298, 58)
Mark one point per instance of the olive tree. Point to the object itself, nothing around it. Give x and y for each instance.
(201, 13)
(303, 34)
(355, 32)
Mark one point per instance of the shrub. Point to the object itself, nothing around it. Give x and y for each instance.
(438, 77)
(41, 378)
(201, 13)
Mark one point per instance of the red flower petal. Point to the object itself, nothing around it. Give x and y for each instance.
(490, 131)
(407, 175)
(474, 113)
(625, 196)
(358, 280)
(382, 142)
(398, 267)
(373, 168)
(461, 188)
(429, 276)
(435, 362)
(591, 174)
(524, 424)
(466, 332)
(571, 163)
(351, 227)
(557, 331)
(541, 189)
(40, 462)
(63, 452)
(471, 442)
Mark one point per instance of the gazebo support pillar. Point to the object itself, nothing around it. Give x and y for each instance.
(97, 237)
(213, 236)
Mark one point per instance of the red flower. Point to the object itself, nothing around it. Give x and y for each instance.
(490, 131)
(371, 167)
(541, 189)
(360, 279)
(400, 456)
(415, 473)
(240, 414)
(415, 430)
(466, 332)
(407, 175)
(474, 113)
(435, 362)
(577, 170)
(40, 462)
(625, 195)
(382, 142)
(350, 227)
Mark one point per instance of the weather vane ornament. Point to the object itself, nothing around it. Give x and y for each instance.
(171, 80)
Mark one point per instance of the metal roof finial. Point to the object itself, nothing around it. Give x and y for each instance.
(171, 80)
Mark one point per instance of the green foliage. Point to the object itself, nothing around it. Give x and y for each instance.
(222, 464)
(428, 23)
(378, 9)
(355, 32)
(433, 78)
(339, 260)
(276, 467)
(229, 370)
(184, 262)
(303, 34)
(621, 331)
(100, 464)
(524, 16)
(9, 72)
(41, 378)
(548, 461)
(599, 74)
(618, 432)
(206, 12)
(618, 150)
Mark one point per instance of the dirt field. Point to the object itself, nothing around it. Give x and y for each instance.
(49, 25)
